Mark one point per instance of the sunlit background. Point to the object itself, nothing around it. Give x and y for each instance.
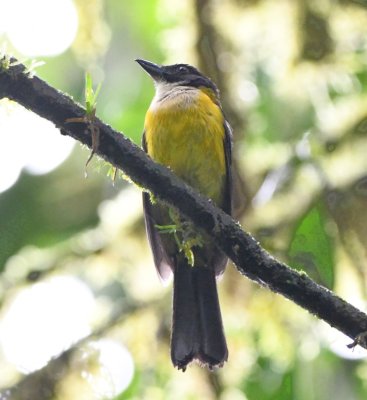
(82, 312)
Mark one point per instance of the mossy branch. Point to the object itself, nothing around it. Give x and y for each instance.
(249, 257)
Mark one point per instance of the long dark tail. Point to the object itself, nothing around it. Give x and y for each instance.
(197, 331)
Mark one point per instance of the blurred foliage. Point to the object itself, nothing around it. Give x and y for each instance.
(311, 248)
(294, 83)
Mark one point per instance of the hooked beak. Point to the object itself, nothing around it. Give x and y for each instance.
(154, 70)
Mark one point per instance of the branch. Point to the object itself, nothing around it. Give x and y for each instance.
(251, 260)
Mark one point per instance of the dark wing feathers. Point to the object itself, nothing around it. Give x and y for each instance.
(227, 206)
(162, 261)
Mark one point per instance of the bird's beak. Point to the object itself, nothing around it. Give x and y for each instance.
(154, 70)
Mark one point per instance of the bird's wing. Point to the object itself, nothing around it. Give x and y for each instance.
(220, 261)
(162, 261)
(227, 203)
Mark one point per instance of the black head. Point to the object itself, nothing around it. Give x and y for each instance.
(181, 74)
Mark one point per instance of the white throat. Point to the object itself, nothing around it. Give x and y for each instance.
(165, 91)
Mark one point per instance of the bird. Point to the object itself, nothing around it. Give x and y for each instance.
(185, 129)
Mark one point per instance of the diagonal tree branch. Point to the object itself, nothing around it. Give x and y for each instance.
(250, 258)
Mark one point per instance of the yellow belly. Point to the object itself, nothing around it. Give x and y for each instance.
(189, 139)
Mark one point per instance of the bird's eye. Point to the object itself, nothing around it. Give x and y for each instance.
(182, 68)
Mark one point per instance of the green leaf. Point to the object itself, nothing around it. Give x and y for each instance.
(90, 94)
(311, 248)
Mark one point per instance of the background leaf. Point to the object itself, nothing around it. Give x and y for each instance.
(311, 248)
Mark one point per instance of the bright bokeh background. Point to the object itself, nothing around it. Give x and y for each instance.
(42, 28)
(83, 314)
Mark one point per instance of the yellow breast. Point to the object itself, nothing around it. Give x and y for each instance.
(186, 133)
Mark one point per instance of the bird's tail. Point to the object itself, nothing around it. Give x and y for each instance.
(197, 330)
